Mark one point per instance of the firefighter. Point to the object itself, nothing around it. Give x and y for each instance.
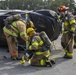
(41, 57)
(74, 13)
(14, 26)
(29, 23)
(68, 32)
(74, 42)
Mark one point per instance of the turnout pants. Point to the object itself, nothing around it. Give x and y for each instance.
(75, 40)
(12, 45)
(67, 44)
(40, 60)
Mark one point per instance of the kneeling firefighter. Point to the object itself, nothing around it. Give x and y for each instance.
(14, 26)
(39, 51)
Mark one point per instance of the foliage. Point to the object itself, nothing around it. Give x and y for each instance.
(35, 4)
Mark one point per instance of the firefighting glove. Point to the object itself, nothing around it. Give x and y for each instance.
(70, 34)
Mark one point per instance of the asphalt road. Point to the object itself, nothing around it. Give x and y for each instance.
(62, 66)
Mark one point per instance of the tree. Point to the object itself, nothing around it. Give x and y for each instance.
(36, 4)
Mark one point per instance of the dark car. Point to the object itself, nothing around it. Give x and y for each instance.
(3, 15)
(44, 20)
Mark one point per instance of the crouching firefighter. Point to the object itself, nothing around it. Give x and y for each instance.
(39, 51)
(14, 26)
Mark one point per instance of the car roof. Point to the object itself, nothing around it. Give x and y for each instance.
(12, 12)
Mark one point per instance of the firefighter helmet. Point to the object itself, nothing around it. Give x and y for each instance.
(30, 30)
(62, 8)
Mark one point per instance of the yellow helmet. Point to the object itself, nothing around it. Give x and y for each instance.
(30, 31)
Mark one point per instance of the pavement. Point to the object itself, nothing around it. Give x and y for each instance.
(62, 66)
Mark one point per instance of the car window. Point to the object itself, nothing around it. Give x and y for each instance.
(23, 16)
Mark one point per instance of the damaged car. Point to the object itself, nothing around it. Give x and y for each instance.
(44, 20)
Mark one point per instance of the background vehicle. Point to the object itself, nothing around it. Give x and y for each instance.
(44, 20)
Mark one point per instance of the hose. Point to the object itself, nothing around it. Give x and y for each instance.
(54, 57)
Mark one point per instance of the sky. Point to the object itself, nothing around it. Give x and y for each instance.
(75, 0)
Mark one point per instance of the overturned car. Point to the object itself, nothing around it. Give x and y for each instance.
(44, 20)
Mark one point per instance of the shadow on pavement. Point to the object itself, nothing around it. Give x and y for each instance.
(57, 55)
(14, 68)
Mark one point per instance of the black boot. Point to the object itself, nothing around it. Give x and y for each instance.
(52, 61)
(49, 64)
(74, 47)
(16, 58)
(67, 57)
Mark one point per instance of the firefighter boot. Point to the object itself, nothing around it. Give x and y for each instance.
(48, 63)
(74, 47)
(52, 61)
(15, 58)
(67, 57)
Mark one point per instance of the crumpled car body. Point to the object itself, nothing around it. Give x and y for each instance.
(44, 20)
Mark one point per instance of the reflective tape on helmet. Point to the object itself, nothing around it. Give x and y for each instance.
(72, 21)
(9, 32)
(22, 33)
(72, 29)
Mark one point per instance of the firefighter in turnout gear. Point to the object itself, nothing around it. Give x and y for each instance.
(74, 13)
(40, 57)
(14, 26)
(29, 24)
(68, 32)
(74, 42)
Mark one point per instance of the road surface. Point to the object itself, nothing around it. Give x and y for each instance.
(62, 66)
